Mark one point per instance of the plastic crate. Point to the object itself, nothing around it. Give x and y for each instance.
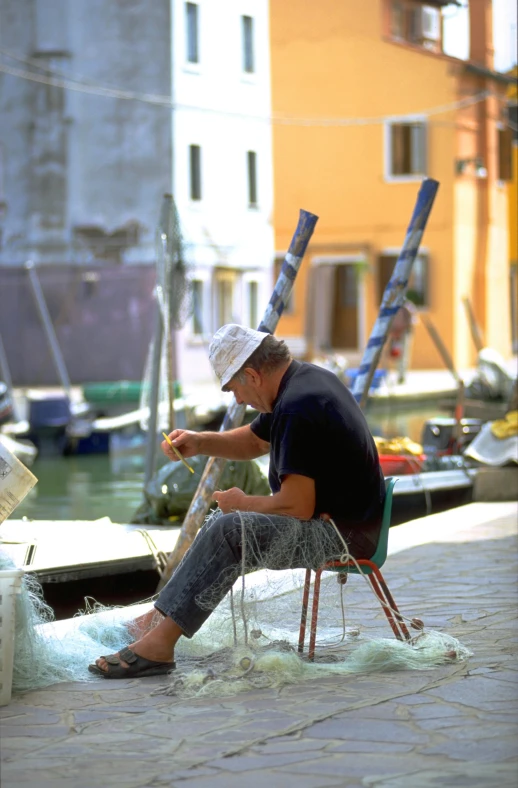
(401, 464)
(10, 586)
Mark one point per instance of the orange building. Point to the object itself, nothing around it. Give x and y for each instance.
(512, 95)
(365, 105)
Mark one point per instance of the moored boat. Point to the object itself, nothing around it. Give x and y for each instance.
(23, 450)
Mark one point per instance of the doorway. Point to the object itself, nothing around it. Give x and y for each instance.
(336, 315)
(344, 320)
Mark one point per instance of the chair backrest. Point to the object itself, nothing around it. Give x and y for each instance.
(380, 556)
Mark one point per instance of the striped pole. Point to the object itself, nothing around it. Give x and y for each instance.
(395, 290)
(235, 413)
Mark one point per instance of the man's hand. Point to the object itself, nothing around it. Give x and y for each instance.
(230, 500)
(186, 441)
(296, 498)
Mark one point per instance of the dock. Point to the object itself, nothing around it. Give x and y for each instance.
(452, 725)
(116, 564)
(59, 551)
(119, 563)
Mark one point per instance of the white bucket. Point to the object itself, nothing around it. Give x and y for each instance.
(15, 482)
(10, 586)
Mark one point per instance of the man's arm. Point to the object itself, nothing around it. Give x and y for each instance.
(296, 498)
(238, 444)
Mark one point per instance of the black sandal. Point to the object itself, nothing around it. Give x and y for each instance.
(139, 667)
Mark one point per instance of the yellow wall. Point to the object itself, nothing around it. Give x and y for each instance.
(513, 209)
(512, 93)
(512, 196)
(330, 61)
(480, 232)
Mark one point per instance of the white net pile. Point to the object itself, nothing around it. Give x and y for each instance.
(45, 652)
(232, 670)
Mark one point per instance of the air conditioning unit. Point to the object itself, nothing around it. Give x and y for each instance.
(430, 23)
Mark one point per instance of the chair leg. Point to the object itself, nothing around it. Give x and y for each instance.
(389, 606)
(314, 615)
(397, 615)
(304, 614)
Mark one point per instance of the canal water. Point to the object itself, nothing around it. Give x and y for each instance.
(90, 487)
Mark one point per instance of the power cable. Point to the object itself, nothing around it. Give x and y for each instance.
(165, 101)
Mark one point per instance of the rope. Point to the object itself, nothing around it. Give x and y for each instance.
(233, 615)
(243, 566)
(159, 556)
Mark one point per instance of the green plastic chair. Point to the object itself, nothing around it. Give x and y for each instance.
(371, 568)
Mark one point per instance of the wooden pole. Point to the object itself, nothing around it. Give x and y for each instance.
(476, 333)
(6, 377)
(235, 413)
(41, 305)
(441, 347)
(448, 361)
(395, 290)
(160, 327)
(459, 414)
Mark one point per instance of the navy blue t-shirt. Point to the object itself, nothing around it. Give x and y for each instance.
(317, 429)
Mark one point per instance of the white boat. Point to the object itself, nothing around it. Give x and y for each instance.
(24, 450)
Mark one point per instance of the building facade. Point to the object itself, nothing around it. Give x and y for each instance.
(222, 171)
(512, 110)
(84, 164)
(105, 107)
(370, 106)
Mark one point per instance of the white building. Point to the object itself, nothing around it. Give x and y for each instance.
(107, 106)
(222, 168)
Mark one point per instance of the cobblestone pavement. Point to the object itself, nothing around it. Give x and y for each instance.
(456, 725)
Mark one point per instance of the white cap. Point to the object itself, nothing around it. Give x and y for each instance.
(231, 346)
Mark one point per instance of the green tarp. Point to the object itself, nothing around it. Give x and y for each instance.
(169, 493)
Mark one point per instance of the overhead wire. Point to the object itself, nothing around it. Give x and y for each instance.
(56, 78)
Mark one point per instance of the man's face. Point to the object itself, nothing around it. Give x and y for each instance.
(251, 391)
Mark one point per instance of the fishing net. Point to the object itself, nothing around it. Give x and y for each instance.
(174, 298)
(250, 639)
(162, 416)
(42, 657)
(233, 670)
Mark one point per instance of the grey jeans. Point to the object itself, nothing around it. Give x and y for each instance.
(213, 563)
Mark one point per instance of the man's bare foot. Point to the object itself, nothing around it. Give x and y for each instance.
(157, 644)
(141, 625)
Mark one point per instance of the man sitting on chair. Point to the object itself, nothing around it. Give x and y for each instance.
(324, 476)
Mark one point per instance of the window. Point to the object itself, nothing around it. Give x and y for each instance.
(197, 307)
(418, 289)
(253, 318)
(416, 23)
(195, 171)
(225, 282)
(406, 149)
(505, 160)
(191, 19)
(248, 44)
(512, 119)
(251, 160)
(289, 306)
